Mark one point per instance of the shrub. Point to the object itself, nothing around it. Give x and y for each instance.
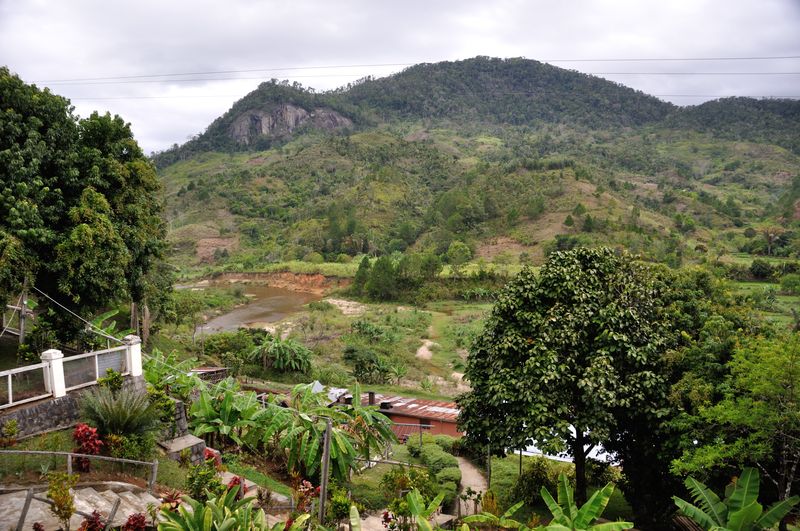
(9, 433)
(450, 490)
(239, 343)
(537, 474)
(88, 442)
(791, 283)
(449, 474)
(760, 269)
(59, 487)
(284, 355)
(94, 522)
(321, 306)
(401, 479)
(112, 380)
(135, 522)
(128, 412)
(445, 442)
(436, 458)
(599, 472)
(203, 482)
(161, 401)
(137, 447)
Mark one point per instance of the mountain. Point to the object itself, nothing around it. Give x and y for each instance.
(510, 155)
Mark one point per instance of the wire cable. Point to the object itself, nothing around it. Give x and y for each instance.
(19, 301)
(98, 330)
(374, 65)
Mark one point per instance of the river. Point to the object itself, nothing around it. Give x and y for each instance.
(267, 305)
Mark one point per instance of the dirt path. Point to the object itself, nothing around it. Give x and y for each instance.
(424, 352)
(470, 477)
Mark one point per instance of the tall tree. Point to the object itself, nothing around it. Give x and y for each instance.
(757, 422)
(563, 354)
(83, 213)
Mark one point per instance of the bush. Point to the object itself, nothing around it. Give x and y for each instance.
(113, 380)
(537, 474)
(372, 499)
(791, 284)
(445, 442)
(599, 472)
(401, 479)
(127, 412)
(436, 458)
(449, 474)
(321, 306)
(760, 269)
(137, 447)
(450, 490)
(203, 482)
(239, 343)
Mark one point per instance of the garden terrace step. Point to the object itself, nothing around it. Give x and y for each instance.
(252, 487)
(195, 445)
(126, 507)
(98, 496)
(88, 500)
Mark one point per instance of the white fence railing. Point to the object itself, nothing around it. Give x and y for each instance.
(85, 369)
(56, 375)
(23, 384)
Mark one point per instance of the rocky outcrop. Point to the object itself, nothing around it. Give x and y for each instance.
(282, 120)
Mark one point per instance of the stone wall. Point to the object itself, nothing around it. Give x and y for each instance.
(44, 416)
(57, 413)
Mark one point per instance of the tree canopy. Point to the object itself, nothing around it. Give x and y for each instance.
(564, 353)
(82, 212)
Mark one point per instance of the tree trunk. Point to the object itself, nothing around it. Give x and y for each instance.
(580, 466)
(145, 323)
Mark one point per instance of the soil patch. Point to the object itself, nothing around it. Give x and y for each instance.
(308, 283)
(347, 307)
(424, 352)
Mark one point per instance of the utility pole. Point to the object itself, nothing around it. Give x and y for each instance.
(326, 461)
(23, 311)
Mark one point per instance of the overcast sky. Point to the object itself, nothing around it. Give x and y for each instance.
(48, 40)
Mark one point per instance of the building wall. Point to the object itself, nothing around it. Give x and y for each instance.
(438, 427)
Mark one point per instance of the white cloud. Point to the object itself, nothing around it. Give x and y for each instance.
(47, 40)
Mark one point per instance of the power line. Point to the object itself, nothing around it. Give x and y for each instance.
(19, 302)
(98, 330)
(116, 98)
(196, 80)
(373, 65)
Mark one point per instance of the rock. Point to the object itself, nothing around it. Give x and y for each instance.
(282, 120)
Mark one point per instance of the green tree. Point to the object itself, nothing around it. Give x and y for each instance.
(382, 282)
(757, 422)
(362, 275)
(563, 354)
(458, 254)
(81, 206)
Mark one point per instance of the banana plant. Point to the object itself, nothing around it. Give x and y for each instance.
(567, 516)
(217, 514)
(355, 519)
(230, 415)
(503, 522)
(421, 512)
(370, 429)
(739, 510)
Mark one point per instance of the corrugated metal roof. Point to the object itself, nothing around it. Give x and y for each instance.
(415, 407)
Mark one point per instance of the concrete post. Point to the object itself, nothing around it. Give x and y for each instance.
(134, 354)
(54, 359)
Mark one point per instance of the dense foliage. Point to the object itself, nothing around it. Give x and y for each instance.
(564, 354)
(82, 213)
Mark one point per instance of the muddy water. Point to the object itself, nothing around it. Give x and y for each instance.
(267, 305)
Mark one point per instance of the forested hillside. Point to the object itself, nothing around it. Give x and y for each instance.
(512, 157)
